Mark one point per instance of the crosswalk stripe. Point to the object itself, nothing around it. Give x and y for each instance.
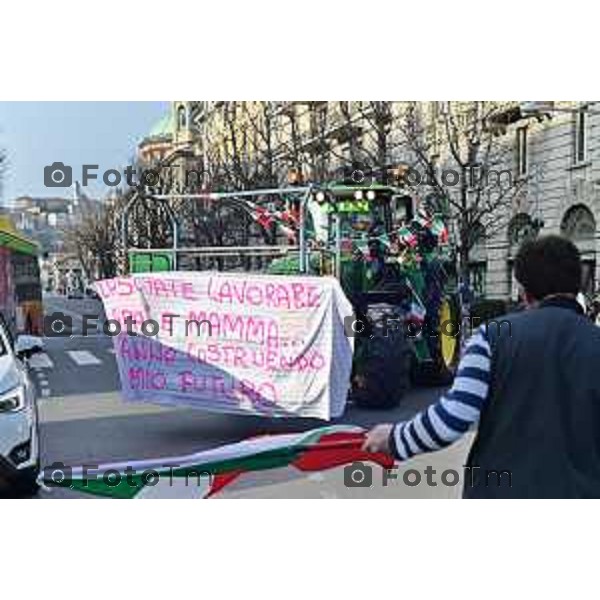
(41, 361)
(83, 357)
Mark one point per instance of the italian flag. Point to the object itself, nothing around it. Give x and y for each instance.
(286, 221)
(205, 473)
(438, 228)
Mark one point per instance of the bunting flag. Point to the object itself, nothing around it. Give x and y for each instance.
(289, 230)
(407, 237)
(204, 474)
(260, 214)
(423, 218)
(290, 216)
(362, 245)
(286, 221)
(438, 228)
(434, 223)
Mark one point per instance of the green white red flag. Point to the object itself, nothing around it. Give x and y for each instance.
(205, 473)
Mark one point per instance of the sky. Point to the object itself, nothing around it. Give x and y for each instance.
(37, 134)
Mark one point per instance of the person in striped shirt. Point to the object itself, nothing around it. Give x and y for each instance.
(533, 389)
(450, 417)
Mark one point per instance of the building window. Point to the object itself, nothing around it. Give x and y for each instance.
(181, 117)
(578, 223)
(520, 228)
(522, 157)
(580, 137)
(477, 277)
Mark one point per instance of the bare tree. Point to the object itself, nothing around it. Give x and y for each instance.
(458, 156)
(262, 119)
(318, 145)
(236, 147)
(93, 242)
(291, 149)
(378, 145)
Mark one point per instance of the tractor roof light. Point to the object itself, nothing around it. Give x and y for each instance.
(358, 195)
(371, 195)
(320, 197)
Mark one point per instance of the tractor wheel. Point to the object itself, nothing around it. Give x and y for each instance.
(382, 376)
(444, 348)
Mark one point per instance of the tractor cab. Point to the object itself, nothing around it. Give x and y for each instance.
(392, 262)
(354, 233)
(360, 210)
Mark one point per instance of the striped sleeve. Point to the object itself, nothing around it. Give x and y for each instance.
(453, 414)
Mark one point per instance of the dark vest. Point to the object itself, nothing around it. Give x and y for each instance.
(540, 430)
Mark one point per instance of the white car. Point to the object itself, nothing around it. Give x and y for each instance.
(19, 436)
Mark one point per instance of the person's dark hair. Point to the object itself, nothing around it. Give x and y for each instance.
(548, 265)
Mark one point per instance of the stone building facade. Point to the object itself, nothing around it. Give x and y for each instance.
(561, 155)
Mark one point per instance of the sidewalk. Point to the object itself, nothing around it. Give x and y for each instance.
(92, 406)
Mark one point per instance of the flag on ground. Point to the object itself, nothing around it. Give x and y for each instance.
(205, 473)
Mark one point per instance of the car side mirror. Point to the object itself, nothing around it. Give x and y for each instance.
(28, 345)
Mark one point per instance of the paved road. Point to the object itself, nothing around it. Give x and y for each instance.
(83, 420)
(74, 310)
(76, 364)
(101, 428)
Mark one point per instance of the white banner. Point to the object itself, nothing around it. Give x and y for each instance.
(264, 344)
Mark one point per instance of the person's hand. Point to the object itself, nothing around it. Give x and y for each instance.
(378, 439)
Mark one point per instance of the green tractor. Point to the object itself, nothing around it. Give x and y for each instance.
(391, 258)
(395, 266)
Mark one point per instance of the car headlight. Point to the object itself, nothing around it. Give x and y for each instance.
(13, 400)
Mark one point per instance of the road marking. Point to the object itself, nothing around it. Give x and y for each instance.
(41, 361)
(83, 357)
(43, 384)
